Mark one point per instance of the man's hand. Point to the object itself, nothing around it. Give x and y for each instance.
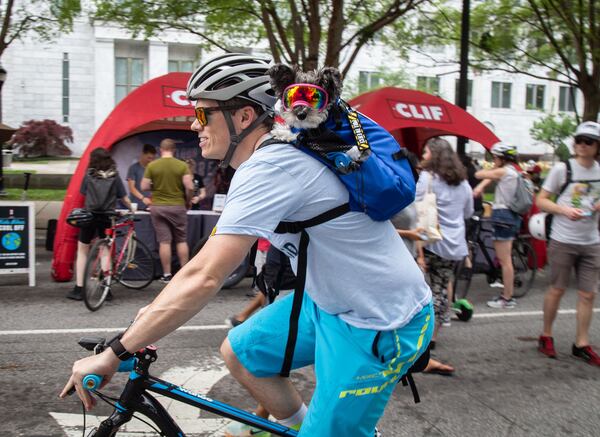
(572, 213)
(147, 201)
(104, 364)
(477, 192)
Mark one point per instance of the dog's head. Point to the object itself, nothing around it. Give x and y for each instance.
(301, 115)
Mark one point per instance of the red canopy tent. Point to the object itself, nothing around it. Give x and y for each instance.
(413, 117)
(158, 104)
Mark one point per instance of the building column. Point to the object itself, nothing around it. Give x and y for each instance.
(158, 59)
(104, 58)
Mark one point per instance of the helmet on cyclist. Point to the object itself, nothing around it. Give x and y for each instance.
(80, 217)
(505, 151)
(233, 75)
(229, 76)
(537, 225)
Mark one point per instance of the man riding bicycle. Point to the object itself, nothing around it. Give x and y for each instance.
(366, 314)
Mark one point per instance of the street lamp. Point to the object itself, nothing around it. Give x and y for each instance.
(463, 82)
(2, 80)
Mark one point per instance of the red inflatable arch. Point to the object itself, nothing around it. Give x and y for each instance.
(413, 117)
(158, 104)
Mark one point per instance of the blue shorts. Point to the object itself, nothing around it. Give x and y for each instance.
(506, 224)
(356, 369)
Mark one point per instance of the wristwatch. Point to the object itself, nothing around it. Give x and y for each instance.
(119, 350)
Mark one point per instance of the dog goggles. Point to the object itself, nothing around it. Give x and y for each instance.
(306, 94)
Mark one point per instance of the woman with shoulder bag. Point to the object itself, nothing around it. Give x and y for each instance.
(445, 176)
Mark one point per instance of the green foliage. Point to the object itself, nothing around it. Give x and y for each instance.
(35, 194)
(43, 19)
(554, 130)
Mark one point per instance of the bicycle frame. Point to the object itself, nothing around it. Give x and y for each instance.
(111, 234)
(135, 398)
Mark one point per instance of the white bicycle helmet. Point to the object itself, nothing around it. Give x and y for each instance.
(233, 75)
(504, 150)
(537, 226)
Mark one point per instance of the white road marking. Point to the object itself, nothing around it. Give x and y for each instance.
(99, 330)
(198, 379)
(476, 315)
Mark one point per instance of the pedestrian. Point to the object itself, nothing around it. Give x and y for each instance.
(505, 223)
(101, 186)
(574, 238)
(444, 175)
(171, 184)
(199, 192)
(365, 317)
(135, 173)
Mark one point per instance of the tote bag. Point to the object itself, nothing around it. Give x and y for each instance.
(427, 215)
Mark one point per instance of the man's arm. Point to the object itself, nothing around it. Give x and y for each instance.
(546, 204)
(146, 184)
(185, 295)
(188, 184)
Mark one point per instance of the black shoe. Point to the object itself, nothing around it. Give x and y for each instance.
(75, 294)
(232, 322)
(165, 279)
(109, 296)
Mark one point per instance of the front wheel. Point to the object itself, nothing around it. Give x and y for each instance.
(136, 269)
(525, 266)
(97, 275)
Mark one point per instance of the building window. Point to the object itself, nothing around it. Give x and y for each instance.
(469, 91)
(428, 84)
(129, 74)
(181, 66)
(368, 80)
(534, 96)
(566, 99)
(65, 88)
(501, 94)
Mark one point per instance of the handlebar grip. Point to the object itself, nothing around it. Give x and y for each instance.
(92, 382)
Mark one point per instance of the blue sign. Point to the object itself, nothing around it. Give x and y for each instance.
(11, 241)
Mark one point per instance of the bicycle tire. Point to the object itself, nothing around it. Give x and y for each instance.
(462, 280)
(523, 256)
(95, 286)
(139, 272)
(236, 276)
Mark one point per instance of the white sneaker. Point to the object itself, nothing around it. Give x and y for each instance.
(501, 302)
(237, 429)
(497, 284)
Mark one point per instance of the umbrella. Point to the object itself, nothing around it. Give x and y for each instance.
(413, 117)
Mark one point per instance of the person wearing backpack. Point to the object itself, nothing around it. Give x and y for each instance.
(506, 223)
(366, 315)
(571, 192)
(101, 186)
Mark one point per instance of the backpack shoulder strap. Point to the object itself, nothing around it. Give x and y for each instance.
(568, 179)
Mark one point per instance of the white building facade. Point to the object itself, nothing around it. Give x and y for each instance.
(79, 78)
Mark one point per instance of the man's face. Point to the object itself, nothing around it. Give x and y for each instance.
(147, 158)
(213, 137)
(586, 147)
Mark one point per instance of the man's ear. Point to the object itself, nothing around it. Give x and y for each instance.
(247, 115)
(330, 79)
(281, 76)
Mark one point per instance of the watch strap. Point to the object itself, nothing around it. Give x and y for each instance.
(119, 350)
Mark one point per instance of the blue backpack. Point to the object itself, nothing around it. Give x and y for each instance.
(368, 160)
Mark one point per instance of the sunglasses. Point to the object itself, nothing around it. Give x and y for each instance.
(306, 94)
(202, 113)
(585, 140)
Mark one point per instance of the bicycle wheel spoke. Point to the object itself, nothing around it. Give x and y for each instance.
(136, 270)
(96, 281)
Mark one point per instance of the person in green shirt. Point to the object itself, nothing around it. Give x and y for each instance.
(171, 184)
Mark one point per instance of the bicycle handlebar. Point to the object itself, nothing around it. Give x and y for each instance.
(93, 381)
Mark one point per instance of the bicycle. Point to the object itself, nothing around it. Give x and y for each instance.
(523, 257)
(136, 398)
(118, 257)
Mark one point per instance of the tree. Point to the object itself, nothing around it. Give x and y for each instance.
(307, 33)
(556, 40)
(42, 138)
(553, 130)
(43, 18)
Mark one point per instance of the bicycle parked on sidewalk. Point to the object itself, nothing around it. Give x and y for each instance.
(118, 257)
(481, 259)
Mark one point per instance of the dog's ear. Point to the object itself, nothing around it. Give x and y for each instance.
(281, 76)
(330, 79)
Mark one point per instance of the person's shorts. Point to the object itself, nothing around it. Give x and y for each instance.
(356, 369)
(93, 230)
(505, 224)
(585, 259)
(170, 223)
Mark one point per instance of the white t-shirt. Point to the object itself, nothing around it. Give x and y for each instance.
(578, 194)
(358, 269)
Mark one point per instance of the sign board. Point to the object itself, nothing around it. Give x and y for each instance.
(219, 202)
(17, 238)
